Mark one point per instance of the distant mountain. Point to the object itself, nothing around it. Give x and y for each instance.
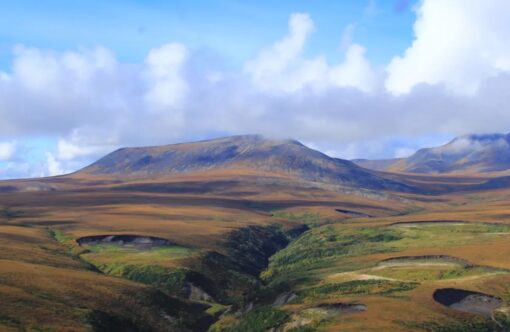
(287, 157)
(471, 153)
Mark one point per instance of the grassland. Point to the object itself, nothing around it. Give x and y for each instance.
(240, 245)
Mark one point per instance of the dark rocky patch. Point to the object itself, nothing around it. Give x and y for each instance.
(354, 213)
(137, 241)
(188, 187)
(8, 189)
(467, 301)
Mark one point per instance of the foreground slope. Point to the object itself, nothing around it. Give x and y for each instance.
(468, 154)
(248, 243)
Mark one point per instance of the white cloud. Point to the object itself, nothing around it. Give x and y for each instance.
(46, 72)
(355, 71)
(54, 167)
(274, 65)
(281, 67)
(458, 43)
(164, 75)
(7, 150)
(403, 152)
(69, 150)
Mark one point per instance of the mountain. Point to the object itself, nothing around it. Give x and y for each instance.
(469, 154)
(254, 152)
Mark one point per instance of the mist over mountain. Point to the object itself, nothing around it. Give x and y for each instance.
(469, 153)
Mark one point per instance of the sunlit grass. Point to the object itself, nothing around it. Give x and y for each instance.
(102, 254)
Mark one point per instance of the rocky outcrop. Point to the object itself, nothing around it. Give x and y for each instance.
(468, 301)
(137, 241)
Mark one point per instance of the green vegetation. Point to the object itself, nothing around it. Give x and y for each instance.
(359, 287)
(418, 273)
(103, 254)
(474, 325)
(145, 266)
(337, 246)
(257, 320)
(447, 235)
(60, 236)
(334, 248)
(168, 279)
(250, 248)
(216, 309)
(321, 247)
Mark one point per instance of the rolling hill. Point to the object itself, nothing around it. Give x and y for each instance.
(252, 152)
(252, 234)
(465, 154)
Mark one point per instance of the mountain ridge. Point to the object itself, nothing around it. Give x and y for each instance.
(474, 153)
(283, 156)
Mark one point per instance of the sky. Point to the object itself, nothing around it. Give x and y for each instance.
(354, 79)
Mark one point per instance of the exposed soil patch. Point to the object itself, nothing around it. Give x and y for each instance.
(322, 312)
(431, 223)
(441, 223)
(344, 308)
(284, 298)
(136, 241)
(354, 213)
(426, 259)
(353, 275)
(467, 301)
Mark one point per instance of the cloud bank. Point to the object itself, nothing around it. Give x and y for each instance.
(458, 43)
(453, 79)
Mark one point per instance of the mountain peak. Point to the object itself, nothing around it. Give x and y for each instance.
(274, 156)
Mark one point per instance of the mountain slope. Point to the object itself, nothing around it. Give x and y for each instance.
(287, 157)
(471, 153)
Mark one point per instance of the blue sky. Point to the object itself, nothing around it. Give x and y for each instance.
(356, 79)
(235, 30)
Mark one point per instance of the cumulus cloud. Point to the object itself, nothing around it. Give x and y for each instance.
(355, 72)
(49, 73)
(458, 43)
(282, 57)
(282, 68)
(166, 85)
